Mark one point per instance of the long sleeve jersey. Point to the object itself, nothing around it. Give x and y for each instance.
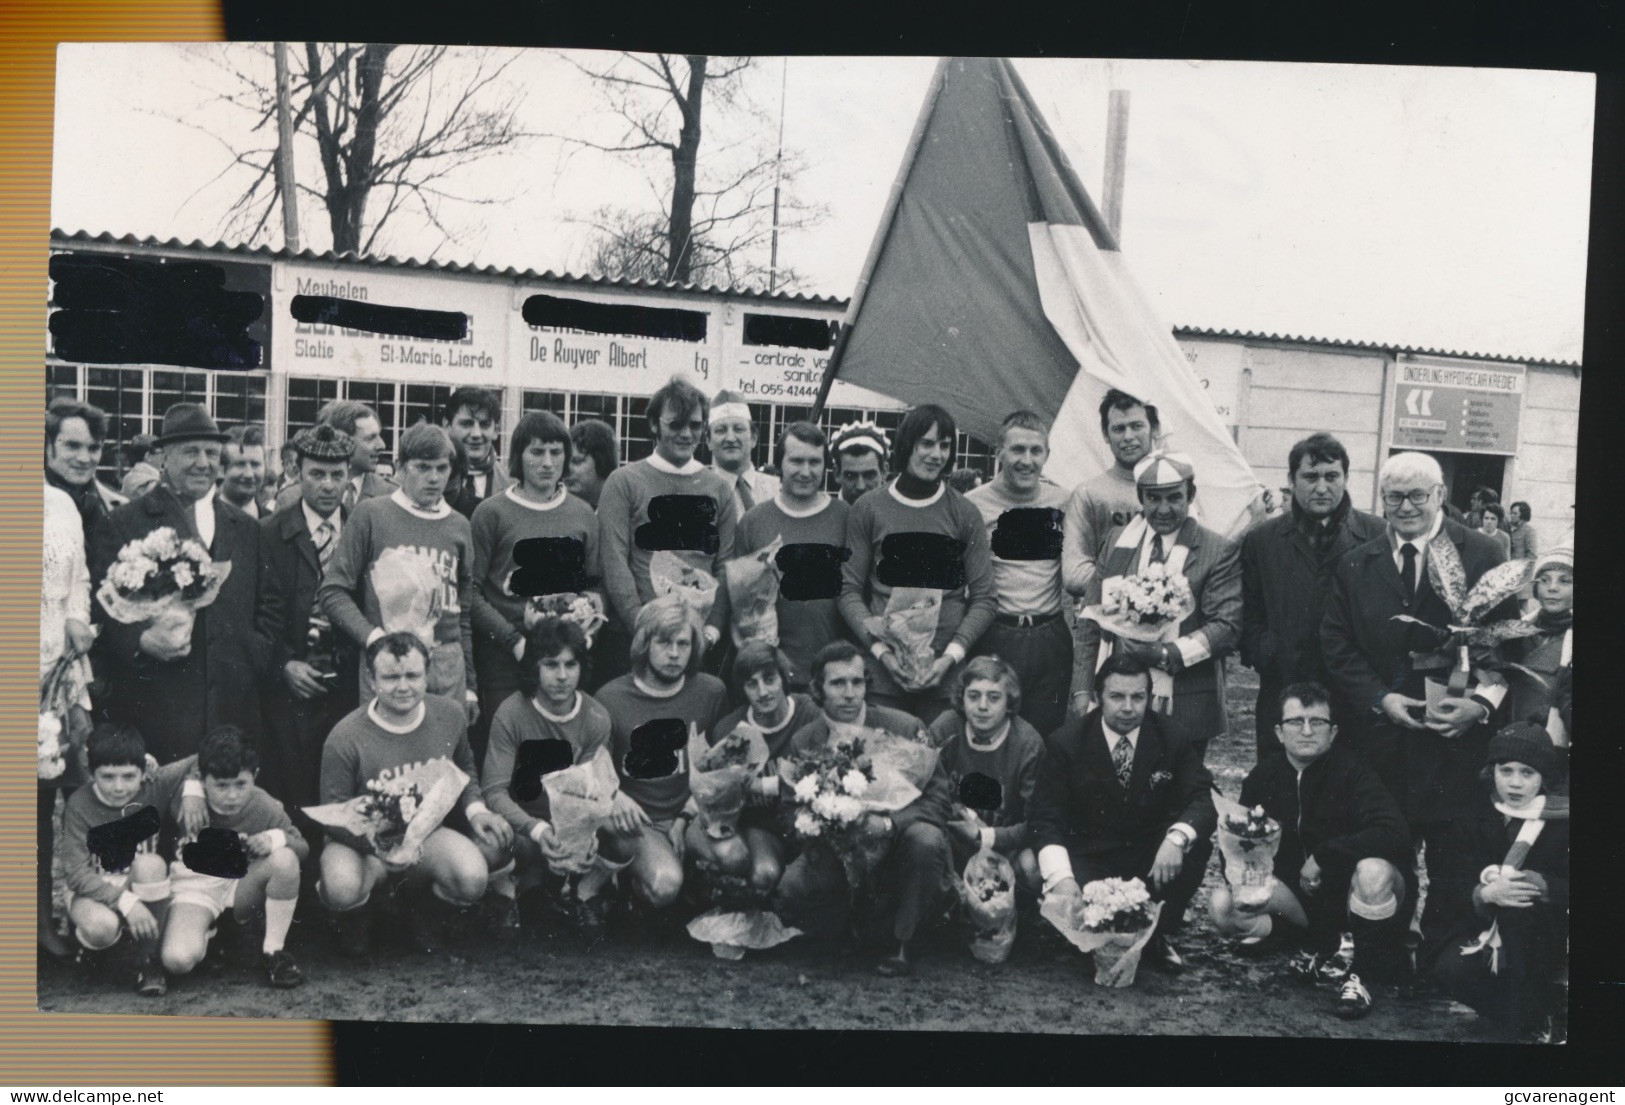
(585, 729)
(360, 749)
(85, 874)
(500, 523)
(701, 700)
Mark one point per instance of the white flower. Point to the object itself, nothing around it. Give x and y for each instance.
(807, 824)
(806, 788)
(409, 807)
(182, 572)
(854, 783)
(847, 810)
(825, 806)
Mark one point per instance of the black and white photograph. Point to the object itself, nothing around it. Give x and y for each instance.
(1047, 546)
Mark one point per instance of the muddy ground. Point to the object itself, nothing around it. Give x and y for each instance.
(670, 980)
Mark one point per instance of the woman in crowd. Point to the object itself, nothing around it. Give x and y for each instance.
(536, 507)
(991, 755)
(921, 532)
(1498, 897)
(1550, 654)
(652, 709)
(64, 630)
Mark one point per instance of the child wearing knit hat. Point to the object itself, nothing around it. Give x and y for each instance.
(1497, 915)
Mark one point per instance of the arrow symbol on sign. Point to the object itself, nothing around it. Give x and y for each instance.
(1420, 401)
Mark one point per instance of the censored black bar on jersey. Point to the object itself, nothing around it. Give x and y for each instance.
(378, 318)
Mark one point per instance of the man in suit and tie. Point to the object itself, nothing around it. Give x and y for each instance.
(1122, 793)
(361, 423)
(307, 686)
(1188, 671)
(1427, 756)
(472, 421)
(176, 695)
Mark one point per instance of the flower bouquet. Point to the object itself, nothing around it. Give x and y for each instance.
(908, 627)
(163, 579)
(910, 756)
(398, 811)
(1467, 647)
(1112, 919)
(1146, 607)
(584, 608)
(1248, 840)
(719, 776)
(832, 790)
(64, 720)
(988, 889)
(579, 799)
(753, 595)
(670, 574)
(409, 592)
(732, 933)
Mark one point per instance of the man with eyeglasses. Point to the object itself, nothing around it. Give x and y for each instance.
(1427, 755)
(669, 500)
(1286, 575)
(1341, 864)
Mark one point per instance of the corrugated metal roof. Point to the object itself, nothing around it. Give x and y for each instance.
(59, 236)
(837, 303)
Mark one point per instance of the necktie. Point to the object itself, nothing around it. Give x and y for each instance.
(1123, 761)
(1156, 548)
(351, 494)
(1407, 571)
(471, 494)
(746, 499)
(325, 544)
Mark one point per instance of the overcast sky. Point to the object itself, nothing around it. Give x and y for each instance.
(1433, 207)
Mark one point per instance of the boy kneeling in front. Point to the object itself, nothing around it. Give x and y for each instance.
(402, 727)
(229, 763)
(1338, 869)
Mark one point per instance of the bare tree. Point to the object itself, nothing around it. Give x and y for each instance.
(389, 124)
(715, 214)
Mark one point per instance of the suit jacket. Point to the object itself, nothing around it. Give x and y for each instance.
(463, 504)
(1213, 570)
(1367, 652)
(290, 573)
(372, 486)
(1078, 802)
(174, 703)
(1285, 585)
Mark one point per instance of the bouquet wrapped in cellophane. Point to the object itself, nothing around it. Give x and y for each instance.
(719, 775)
(670, 574)
(396, 814)
(731, 933)
(988, 890)
(64, 717)
(579, 800)
(1248, 841)
(1112, 919)
(584, 608)
(908, 627)
(409, 592)
(163, 579)
(1147, 607)
(1468, 646)
(753, 595)
(839, 795)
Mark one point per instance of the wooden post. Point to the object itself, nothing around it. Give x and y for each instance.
(1116, 160)
(284, 152)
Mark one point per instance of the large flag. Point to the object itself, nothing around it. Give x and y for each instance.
(994, 284)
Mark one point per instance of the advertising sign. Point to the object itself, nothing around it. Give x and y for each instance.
(1457, 408)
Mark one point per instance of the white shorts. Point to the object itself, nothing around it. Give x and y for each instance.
(212, 892)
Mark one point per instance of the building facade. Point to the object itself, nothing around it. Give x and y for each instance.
(593, 348)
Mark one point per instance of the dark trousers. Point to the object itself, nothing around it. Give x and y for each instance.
(1042, 658)
(1435, 780)
(291, 753)
(1532, 947)
(1266, 715)
(911, 885)
(497, 673)
(611, 656)
(1134, 862)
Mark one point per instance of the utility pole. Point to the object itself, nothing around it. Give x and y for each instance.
(1116, 156)
(284, 152)
(778, 170)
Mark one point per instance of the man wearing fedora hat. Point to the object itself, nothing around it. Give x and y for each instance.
(308, 687)
(1165, 533)
(175, 696)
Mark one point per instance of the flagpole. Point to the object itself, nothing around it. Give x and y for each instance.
(932, 92)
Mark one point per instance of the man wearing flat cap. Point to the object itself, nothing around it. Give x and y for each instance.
(308, 687)
(175, 695)
(1188, 670)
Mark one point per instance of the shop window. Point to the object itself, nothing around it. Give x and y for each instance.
(171, 386)
(424, 402)
(239, 400)
(306, 396)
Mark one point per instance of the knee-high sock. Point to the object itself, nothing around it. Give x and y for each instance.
(278, 919)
